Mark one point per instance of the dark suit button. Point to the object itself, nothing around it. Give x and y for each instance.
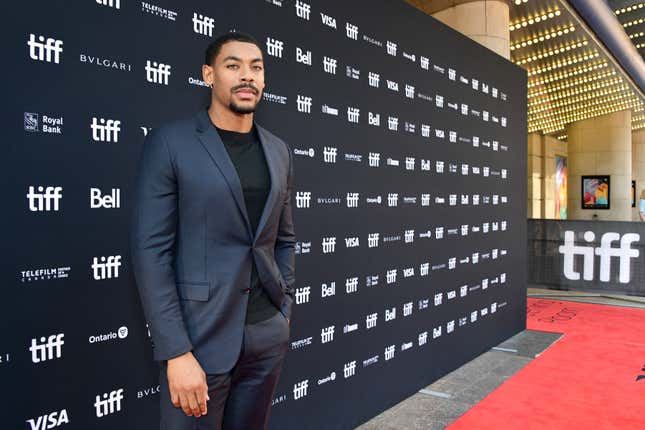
(246, 290)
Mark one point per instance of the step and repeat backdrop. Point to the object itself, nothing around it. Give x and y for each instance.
(409, 144)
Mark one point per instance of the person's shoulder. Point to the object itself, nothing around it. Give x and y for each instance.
(266, 134)
(176, 128)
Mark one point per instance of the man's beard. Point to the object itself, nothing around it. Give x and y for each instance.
(241, 109)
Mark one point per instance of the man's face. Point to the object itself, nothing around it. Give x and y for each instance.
(237, 75)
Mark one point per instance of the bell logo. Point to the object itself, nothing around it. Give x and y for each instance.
(624, 253)
(109, 404)
(109, 201)
(49, 421)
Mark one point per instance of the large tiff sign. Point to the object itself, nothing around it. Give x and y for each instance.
(409, 149)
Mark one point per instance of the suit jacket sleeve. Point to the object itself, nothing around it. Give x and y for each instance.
(154, 226)
(285, 245)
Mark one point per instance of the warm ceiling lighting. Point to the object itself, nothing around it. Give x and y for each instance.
(628, 8)
(560, 63)
(534, 19)
(549, 34)
(637, 35)
(551, 52)
(634, 22)
(559, 75)
(571, 83)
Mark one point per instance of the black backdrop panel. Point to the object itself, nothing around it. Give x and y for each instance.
(409, 143)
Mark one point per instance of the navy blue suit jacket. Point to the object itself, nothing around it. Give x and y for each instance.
(192, 245)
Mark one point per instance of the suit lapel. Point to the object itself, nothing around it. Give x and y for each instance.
(272, 163)
(212, 142)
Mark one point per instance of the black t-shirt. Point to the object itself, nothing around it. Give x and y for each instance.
(245, 151)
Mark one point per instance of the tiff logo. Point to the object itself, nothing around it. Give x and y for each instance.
(409, 236)
(327, 334)
(352, 200)
(303, 199)
(203, 24)
(105, 130)
(274, 47)
(374, 159)
(107, 268)
(372, 240)
(407, 309)
(425, 199)
(349, 369)
(423, 338)
(328, 245)
(370, 320)
(409, 91)
(351, 31)
(109, 404)
(389, 352)
(45, 49)
(391, 48)
(304, 104)
(302, 295)
(45, 198)
(329, 154)
(351, 285)
(48, 348)
(424, 269)
(393, 199)
(157, 73)
(353, 114)
(425, 62)
(373, 79)
(303, 57)
(329, 65)
(409, 163)
(303, 10)
(606, 251)
(300, 389)
(390, 276)
(116, 4)
(392, 123)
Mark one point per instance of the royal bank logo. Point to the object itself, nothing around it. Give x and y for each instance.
(48, 348)
(351, 286)
(203, 24)
(302, 295)
(300, 389)
(328, 21)
(391, 48)
(329, 154)
(50, 420)
(372, 240)
(409, 91)
(327, 334)
(105, 130)
(371, 280)
(303, 199)
(352, 72)
(302, 248)
(158, 11)
(349, 369)
(303, 57)
(353, 114)
(50, 125)
(303, 10)
(410, 127)
(274, 47)
(352, 200)
(390, 276)
(329, 65)
(373, 79)
(374, 119)
(109, 403)
(605, 251)
(392, 123)
(106, 267)
(157, 73)
(45, 199)
(328, 110)
(329, 245)
(374, 159)
(303, 104)
(351, 31)
(45, 49)
(370, 320)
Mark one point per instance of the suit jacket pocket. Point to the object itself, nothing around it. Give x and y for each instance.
(199, 291)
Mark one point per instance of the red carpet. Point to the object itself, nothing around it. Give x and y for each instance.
(586, 380)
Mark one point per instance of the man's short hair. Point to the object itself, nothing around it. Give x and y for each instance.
(214, 48)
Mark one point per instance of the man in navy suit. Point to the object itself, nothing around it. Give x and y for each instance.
(213, 250)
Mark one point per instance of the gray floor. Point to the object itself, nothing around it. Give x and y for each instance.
(439, 404)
